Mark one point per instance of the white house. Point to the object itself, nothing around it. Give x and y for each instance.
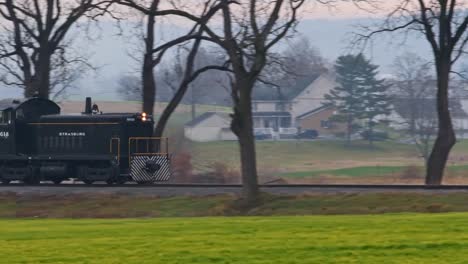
(280, 114)
(209, 126)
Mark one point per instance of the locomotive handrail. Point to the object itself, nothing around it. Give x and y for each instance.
(147, 152)
(111, 149)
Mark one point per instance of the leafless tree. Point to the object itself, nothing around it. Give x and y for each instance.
(129, 87)
(443, 23)
(414, 89)
(153, 53)
(298, 62)
(200, 90)
(34, 51)
(250, 29)
(249, 32)
(412, 84)
(190, 74)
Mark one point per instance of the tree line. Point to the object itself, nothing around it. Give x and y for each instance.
(36, 54)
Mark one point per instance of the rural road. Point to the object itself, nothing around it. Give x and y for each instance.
(187, 190)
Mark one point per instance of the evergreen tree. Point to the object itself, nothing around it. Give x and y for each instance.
(347, 96)
(375, 98)
(359, 94)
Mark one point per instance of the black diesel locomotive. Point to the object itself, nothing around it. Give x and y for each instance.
(37, 143)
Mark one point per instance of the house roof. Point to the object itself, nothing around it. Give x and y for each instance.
(314, 111)
(284, 92)
(271, 113)
(197, 120)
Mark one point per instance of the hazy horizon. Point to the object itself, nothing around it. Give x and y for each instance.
(330, 36)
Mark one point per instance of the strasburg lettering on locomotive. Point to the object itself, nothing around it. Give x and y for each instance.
(72, 134)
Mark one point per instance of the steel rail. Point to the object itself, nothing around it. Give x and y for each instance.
(264, 186)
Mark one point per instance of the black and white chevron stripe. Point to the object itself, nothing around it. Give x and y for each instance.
(139, 174)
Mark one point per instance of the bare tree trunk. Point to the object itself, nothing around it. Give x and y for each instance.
(446, 135)
(29, 88)
(242, 126)
(149, 84)
(189, 76)
(42, 75)
(38, 84)
(168, 110)
(193, 109)
(349, 128)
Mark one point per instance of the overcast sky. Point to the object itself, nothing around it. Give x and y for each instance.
(327, 28)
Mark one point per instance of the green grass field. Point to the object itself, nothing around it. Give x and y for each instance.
(401, 238)
(364, 171)
(295, 155)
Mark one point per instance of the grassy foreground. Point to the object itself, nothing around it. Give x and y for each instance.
(405, 238)
(130, 206)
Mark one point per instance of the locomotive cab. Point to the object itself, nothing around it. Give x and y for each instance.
(15, 115)
(37, 143)
(6, 132)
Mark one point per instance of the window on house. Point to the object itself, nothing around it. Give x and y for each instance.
(325, 123)
(285, 122)
(255, 107)
(280, 107)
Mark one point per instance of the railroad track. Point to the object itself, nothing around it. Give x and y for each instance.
(263, 186)
(169, 190)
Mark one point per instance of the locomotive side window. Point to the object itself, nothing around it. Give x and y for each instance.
(19, 113)
(5, 117)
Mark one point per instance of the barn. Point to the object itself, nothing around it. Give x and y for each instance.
(209, 126)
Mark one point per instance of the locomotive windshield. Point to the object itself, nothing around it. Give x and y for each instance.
(5, 117)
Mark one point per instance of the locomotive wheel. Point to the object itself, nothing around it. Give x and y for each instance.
(88, 181)
(31, 181)
(121, 181)
(57, 181)
(110, 181)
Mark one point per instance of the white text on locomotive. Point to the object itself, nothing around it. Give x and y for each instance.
(72, 134)
(4, 134)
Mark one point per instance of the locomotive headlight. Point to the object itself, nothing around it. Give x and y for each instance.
(144, 117)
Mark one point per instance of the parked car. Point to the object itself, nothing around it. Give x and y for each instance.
(262, 135)
(308, 134)
(375, 135)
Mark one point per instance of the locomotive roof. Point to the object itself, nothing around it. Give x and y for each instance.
(14, 103)
(89, 117)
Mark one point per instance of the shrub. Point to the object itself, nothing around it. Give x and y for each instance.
(219, 173)
(182, 167)
(412, 173)
(374, 135)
